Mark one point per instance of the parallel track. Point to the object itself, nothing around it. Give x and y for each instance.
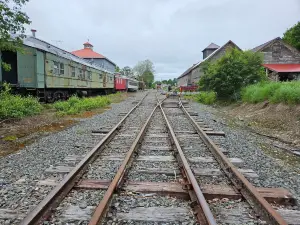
(53, 199)
(199, 204)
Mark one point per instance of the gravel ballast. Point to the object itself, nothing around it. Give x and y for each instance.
(246, 145)
(28, 166)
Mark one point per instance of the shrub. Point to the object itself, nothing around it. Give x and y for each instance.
(207, 98)
(233, 71)
(16, 106)
(275, 92)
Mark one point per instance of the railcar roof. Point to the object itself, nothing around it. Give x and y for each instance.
(47, 47)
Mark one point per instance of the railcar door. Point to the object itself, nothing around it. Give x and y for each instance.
(10, 76)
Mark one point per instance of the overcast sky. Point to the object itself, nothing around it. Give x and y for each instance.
(171, 33)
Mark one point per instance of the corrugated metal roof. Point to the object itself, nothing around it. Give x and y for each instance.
(283, 68)
(47, 47)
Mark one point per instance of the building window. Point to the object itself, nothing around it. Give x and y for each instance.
(61, 69)
(55, 67)
(73, 71)
(80, 74)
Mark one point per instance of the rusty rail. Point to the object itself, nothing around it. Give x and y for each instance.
(249, 192)
(52, 200)
(101, 209)
(204, 214)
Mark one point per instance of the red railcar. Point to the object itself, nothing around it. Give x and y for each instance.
(120, 83)
(188, 88)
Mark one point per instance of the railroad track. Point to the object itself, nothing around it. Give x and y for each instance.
(159, 169)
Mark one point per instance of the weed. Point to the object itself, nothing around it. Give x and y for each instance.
(16, 106)
(275, 92)
(205, 97)
(76, 105)
(10, 138)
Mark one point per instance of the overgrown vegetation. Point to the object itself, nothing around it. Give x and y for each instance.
(233, 71)
(75, 105)
(205, 97)
(275, 92)
(292, 36)
(16, 106)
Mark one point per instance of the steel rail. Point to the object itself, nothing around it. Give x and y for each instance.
(249, 192)
(101, 209)
(52, 200)
(206, 216)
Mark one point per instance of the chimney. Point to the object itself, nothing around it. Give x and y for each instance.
(33, 31)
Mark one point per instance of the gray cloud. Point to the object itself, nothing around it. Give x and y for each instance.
(171, 33)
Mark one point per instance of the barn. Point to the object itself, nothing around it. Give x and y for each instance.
(280, 60)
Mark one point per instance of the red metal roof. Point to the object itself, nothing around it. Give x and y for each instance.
(283, 67)
(88, 52)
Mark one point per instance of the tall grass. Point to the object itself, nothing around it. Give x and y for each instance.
(16, 106)
(75, 105)
(275, 92)
(205, 97)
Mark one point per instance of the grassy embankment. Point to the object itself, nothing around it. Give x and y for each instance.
(274, 92)
(17, 107)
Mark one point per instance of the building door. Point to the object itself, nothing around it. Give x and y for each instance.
(10, 76)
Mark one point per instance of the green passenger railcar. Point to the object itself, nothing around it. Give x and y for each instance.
(52, 73)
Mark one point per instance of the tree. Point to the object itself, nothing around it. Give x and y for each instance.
(126, 71)
(144, 71)
(12, 23)
(292, 36)
(229, 74)
(117, 69)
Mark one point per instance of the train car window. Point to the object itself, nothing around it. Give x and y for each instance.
(73, 71)
(100, 76)
(83, 74)
(111, 79)
(80, 74)
(55, 67)
(89, 75)
(61, 69)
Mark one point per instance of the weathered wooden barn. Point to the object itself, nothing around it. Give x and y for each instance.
(281, 61)
(211, 53)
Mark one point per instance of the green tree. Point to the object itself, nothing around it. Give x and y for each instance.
(144, 71)
(117, 69)
(292, 36)
(229, 74)
(126, 71)
(12, 21)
